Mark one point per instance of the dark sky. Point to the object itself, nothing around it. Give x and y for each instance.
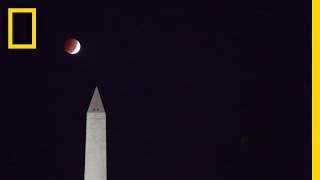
(217, 90)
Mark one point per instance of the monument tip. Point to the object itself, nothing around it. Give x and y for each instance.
(96, 105)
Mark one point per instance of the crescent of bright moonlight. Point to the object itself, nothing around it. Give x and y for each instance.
(77, 49)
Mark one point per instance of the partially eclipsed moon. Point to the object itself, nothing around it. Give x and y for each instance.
(77, 49)
(72, 46)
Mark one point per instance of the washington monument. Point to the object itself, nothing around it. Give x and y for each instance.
(96, 140)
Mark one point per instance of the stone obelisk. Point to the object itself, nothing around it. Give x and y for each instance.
(96, 140)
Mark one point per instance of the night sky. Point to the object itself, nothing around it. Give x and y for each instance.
(217, 90)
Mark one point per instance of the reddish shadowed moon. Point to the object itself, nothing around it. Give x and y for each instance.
(72, 46)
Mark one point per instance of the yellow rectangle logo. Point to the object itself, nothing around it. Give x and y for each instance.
(10, 28)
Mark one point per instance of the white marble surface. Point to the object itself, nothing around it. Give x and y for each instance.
(96, 141)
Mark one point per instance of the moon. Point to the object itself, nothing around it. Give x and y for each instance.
(77, 49)
(72, 46)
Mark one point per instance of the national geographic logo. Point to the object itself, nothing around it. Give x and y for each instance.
(11, 12)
